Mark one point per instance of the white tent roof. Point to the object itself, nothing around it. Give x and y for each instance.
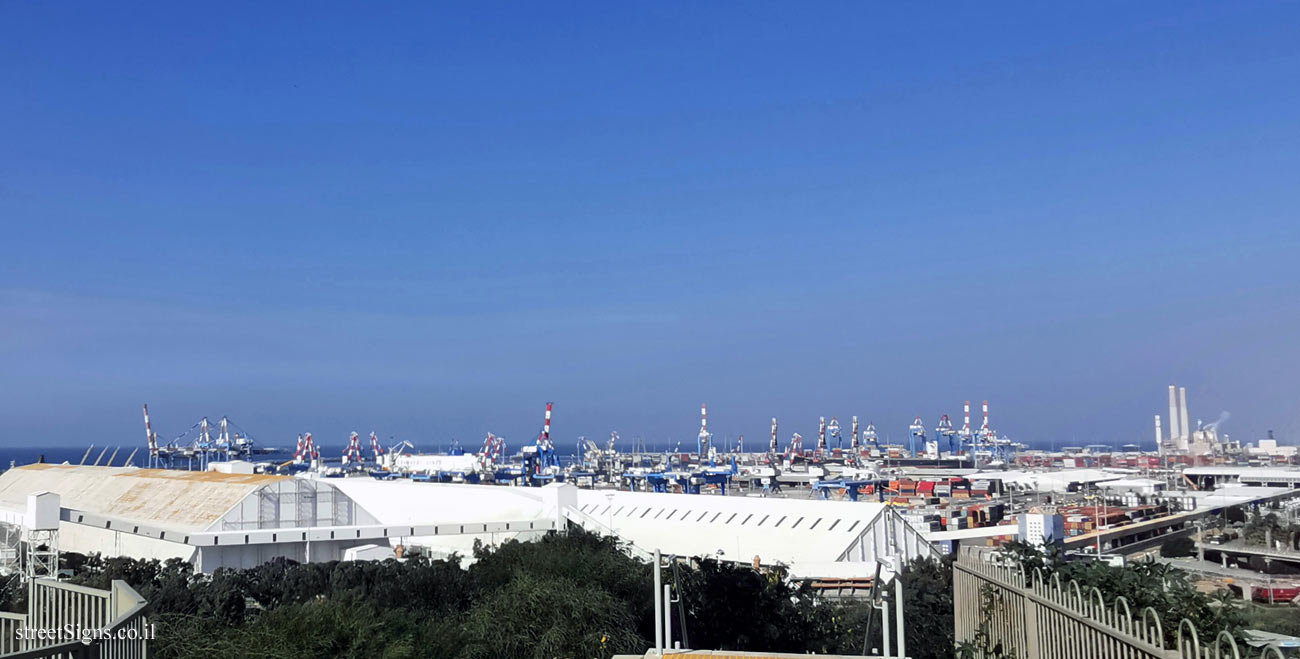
(737, 528)
(409, 502)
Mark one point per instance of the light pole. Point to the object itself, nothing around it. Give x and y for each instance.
(1200, 548)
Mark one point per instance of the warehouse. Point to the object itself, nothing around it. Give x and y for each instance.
(216, 520)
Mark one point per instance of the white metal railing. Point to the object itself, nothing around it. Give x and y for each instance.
(1030, 616)
(112, 622)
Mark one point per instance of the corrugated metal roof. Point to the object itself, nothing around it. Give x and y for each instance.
(170, 499)
(787, 530)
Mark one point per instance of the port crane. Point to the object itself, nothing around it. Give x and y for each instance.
(869, 436)
(773, 447)
(305, 453)
(494, 448)
(834, 431)
(540, 459)
(795, 447)
(945, 431)
(352, 454)
(965, 434)
(196, 443)
(918, 434)
(705, 435)
(853, 441)
(151, 438)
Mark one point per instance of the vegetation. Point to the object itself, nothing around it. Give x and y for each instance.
(574, 595)
(565, 595)
(1260, 527)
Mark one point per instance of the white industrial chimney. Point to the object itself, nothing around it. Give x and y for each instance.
(1174, 433)
(1184, 425)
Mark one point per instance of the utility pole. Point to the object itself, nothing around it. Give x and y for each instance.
(659, 607)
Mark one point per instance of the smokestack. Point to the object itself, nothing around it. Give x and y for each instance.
(1160, 440)
(1183, 423)
(1174, 433)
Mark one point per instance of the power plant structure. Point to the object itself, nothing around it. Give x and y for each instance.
(1182, 439)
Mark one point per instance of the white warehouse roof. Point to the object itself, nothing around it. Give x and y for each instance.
(179, 500)
(790, 531)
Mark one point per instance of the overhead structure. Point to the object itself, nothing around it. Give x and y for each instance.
(834, 432)
(375, 449)
(773, 448)
(853, 441)
(821, 435)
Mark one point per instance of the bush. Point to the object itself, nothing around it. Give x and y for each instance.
(568, 594)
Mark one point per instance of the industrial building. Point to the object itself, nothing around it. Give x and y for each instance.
(216, 520)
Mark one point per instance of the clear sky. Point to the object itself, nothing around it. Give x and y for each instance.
(428, 220)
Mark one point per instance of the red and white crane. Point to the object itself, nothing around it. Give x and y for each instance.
(795, 448)
(545, 439)
(352, 454)
(705, 435)
(986, 433)
(965, 432)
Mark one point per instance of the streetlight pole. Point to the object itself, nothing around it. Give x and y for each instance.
(898, 595)
(659, 607)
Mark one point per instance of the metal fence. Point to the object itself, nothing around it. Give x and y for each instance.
(1004, 612)
(107, 624)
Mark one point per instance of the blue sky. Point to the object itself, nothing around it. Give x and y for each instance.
(427, 220)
